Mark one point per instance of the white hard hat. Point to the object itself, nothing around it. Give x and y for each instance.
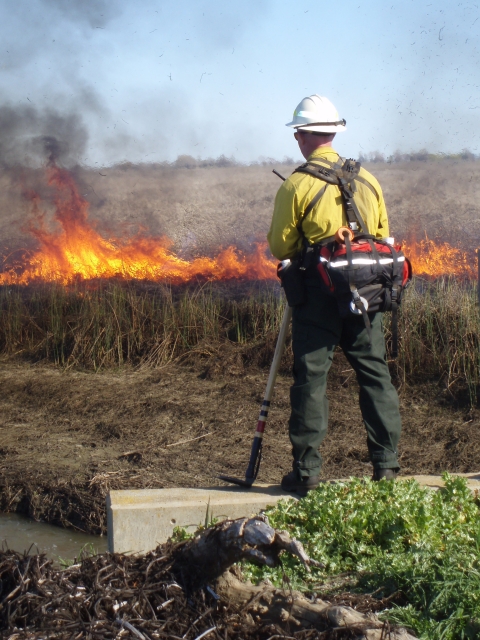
(317, 113)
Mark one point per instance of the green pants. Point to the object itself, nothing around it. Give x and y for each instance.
(316, 330)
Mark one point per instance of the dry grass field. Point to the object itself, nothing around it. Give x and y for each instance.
(204, 208)
(98, 390)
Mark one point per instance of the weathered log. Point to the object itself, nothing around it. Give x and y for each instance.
(207, 557)
(142, 595)
(211, 552)
(291, 610)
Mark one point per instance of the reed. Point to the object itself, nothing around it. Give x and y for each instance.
(440, 335)
(116, 323)
(110, 324)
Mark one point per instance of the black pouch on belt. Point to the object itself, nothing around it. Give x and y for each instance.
(291, 275)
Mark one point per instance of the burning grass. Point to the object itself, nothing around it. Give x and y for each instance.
(209, 225)
(110, 324)
(76, 250)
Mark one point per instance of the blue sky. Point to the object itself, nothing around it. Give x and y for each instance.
(149, 80)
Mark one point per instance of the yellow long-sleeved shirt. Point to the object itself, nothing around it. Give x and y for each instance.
(327, 215)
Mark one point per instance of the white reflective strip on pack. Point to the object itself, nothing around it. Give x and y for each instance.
(344, 263)
(400, 259)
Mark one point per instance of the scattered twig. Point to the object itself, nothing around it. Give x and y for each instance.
(138, 455)
(130, 627)
(208, 611)
(189, 440)
(205, 633)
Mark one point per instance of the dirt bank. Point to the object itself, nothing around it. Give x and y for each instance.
(67, 437)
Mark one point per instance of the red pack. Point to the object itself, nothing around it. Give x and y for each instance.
(364, 275)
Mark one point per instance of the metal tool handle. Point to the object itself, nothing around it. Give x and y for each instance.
(256, 452)
(277, 356)
(278, 174)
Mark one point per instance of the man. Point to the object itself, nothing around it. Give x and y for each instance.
(317, 327)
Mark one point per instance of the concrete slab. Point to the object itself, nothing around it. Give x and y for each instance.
(436, 482)
(139, 520)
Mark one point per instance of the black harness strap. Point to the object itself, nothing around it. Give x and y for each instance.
(312, 203)
(343, 174)
(318, 171)
(357, 300)
(369, 185)
(397, 280)
(394, 323)
(351, 210)
(323, 173)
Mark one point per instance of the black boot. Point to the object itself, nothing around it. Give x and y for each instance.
(387, 474)
(294, 484)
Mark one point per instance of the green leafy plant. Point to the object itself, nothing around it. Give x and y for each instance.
(88, 550)
(421, 547)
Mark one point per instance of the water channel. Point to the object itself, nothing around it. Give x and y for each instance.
(19, 534)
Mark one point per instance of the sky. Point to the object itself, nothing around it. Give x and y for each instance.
(107, 81)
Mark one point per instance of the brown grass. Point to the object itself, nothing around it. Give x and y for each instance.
(205, 208)
(113, 324)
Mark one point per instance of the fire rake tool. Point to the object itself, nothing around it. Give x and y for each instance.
(256, 452)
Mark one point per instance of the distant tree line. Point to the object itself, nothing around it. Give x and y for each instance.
(185, 161)
(189, 162)
(423, 156)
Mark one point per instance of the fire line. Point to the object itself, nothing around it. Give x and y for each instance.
(76, 251)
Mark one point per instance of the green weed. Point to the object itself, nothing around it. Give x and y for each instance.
(393, 539)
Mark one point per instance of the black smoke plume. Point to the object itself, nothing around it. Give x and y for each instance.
(31, 137)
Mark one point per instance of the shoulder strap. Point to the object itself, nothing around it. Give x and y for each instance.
(343, 174)
(318, 171)
(313, 202)
(321, 172)
(368, 184)
(354, 218)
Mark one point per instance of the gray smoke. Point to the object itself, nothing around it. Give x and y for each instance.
(95, 13)
(31, 137)
(59, 56)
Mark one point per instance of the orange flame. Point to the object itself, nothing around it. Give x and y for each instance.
(76, 251)
(435, 259)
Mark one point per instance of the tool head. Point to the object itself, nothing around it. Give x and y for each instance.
(241, 483)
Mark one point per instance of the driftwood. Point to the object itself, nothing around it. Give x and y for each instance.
(214, 550)
(291, 611)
